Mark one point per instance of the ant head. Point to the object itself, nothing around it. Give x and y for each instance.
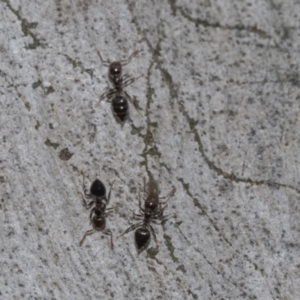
(98, 189)
(151, 204)
(115, 71)
(142, 238)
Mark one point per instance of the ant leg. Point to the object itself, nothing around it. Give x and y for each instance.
(126, 77)
(144, 179)
(131, 228)
(105, 63)
(108, 232)
(108, 94)
(127, 61)
(91, 213)
(164, 218)
(168, 196)
(86, 194)
(109, 210)
(108, 198)
(85, 235)
(84, 203)
(154, 235)
(140, 205)
(113, 207)
(162, 208)
(137, 216)
(129, 80)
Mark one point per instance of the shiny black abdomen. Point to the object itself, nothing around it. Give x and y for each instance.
(97, 188)
(120, 107)
(142, 238)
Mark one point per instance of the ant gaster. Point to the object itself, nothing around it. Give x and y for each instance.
(117, 95)
(151, 213)
(99, 212)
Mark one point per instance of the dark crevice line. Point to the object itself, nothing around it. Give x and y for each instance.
(205, 23)
(221, 235)
(230, 176)
(228, 280)
(26, 28)
(75, 63)
(148, 138)
(204, 257)
(239, 27)
(170, 247)
(149, 141)
(192, 123)
(226, 176)
(203, 211)
(173, 6)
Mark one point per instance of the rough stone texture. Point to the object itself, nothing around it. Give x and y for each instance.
(219, 120)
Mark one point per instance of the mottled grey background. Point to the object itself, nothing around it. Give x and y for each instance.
(219, 120)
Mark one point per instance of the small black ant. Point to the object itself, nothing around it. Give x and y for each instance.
(151, 213)
(99, 212)
(116, 94)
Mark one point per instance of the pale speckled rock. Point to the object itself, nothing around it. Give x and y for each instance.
(219, 105)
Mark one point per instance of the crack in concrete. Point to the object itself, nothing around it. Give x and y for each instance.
(193, 127)
(26, 28)
(220, 234)
(205, 23)
(168, 242)
(80, 65)
(193, 123)
(230, 176)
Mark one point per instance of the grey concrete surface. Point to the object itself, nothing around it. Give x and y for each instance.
(216, 115)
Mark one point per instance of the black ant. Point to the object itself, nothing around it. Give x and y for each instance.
(99, 212)
(117, 95)
(151, 213)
